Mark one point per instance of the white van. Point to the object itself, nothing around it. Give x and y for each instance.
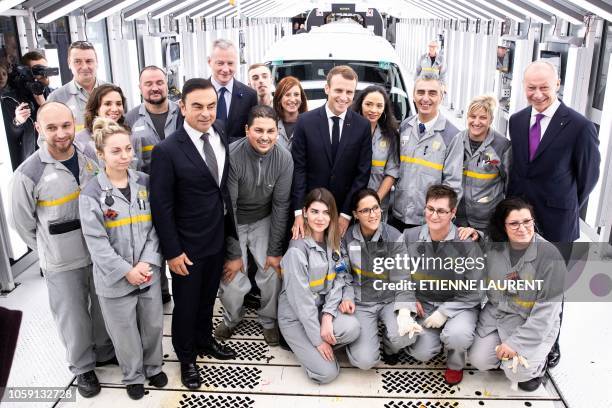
(310, 56)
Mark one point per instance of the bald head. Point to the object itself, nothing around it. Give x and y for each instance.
(541, 83)
(55, 123)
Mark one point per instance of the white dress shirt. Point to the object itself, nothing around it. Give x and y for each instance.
(330, 122)
(215, 142)
(548, 114)
(228, 94)
(429, 124)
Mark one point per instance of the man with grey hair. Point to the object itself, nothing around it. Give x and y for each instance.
(432, 62)
(235, 99)
(555, 160)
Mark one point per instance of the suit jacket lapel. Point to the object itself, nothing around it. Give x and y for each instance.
(523, 141)
(557, 123)
(324, 134)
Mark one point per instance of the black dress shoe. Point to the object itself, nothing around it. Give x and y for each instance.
(159, 380)
(217, 350)
(135, 391)
(88, 384)
(554, 356)
(530, 385)
(190, 376)
(390, 359)
(111, 361)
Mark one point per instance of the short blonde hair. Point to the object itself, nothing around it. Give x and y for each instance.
(486, 102)
(102, 129)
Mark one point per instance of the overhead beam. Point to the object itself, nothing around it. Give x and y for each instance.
(191, 10)
(489, 13)
(59, 9)
(451, 7)
(529, 11)
(9, 4)
(560, 10)
(430, 9)
(597, 7)
(212, 12)
(170, 8)
(502, 8)
(144, 8)
(108, 9)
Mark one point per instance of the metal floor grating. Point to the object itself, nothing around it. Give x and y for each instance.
(264, 376)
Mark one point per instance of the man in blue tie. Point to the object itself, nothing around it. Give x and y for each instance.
(235, 98)
(555, 161)
(431, 152)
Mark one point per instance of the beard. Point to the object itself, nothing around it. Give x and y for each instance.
(156, 102)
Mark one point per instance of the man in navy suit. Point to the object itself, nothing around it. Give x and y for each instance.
(332, 148)
(555, 161)
(555, 153)
(192, 212)
(235, 98)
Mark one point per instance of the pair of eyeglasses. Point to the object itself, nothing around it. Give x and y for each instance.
(515, 225)
(440, 211)
(368, 211)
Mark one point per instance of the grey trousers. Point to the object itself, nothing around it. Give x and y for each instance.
(76, 311)
(482, 356)
(457, 335)
(346, 331)
(364, 352)
(255, 237)
(135, 323)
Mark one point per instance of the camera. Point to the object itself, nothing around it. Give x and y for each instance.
(23, 77)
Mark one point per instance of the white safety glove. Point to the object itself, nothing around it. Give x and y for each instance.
(518, 361)
(435, 320)
(406, 324)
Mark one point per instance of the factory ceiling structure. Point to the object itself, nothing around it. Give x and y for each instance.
(539, 11)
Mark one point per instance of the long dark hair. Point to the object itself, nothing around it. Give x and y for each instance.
(497, 224)
(388, 124)
(323, 195)
(95, 101)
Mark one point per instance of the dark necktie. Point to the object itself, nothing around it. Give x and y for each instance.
(221, 106)
(209, 155)
(535, 135)
(421, 128)
(335, 136)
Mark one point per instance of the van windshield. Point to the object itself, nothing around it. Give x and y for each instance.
(313, 75)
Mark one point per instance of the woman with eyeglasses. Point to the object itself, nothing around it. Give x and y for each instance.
(289, 102)
(517, 328)
(373, 103)
(448, 316)
(486, 165)
(365, 240)
(314, 275)
(107, 101)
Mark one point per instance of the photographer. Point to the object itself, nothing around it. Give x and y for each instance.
(28, 88)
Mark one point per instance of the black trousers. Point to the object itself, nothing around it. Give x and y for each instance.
(194, 299)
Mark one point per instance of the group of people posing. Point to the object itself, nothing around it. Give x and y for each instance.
(200, 184)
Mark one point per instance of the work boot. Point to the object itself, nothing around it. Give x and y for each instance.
(530, 385)
(223, 332)
(88, 384)
(271, 336)
(159, 380)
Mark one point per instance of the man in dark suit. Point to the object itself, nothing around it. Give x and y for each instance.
(332, 148)
(555, 161)
(235, 98)
(555, 153)
(192, 212)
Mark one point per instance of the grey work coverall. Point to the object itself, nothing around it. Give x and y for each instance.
(461, 307)
(372, 305)
(44, 211)
(133, 314)
(312, 287)
(485, 179)
(527, 321)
